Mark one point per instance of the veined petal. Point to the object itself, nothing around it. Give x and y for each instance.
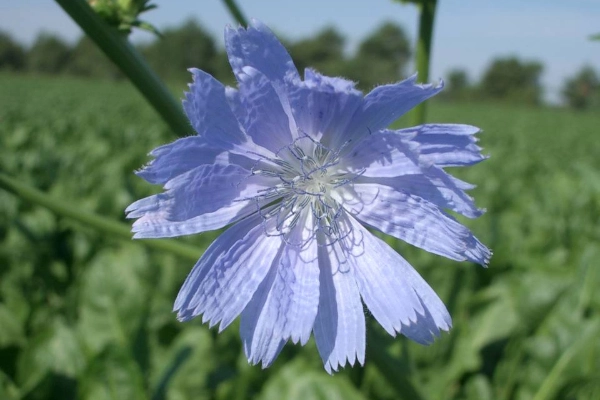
(258, 48)
(435, 186)
(178, 157)
(228, 274)
(446, 145)
(385, 104)
(340, 324)
(416, 221)
(394, 292)
(266, 119)
(205, 198)
(285, 305)
(323, 106)
(209, 112)
(383, 155)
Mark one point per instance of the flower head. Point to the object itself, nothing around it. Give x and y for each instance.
(298, 168)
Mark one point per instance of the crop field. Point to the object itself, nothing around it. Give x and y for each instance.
(88, 315)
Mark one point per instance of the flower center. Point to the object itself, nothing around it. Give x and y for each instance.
(309, 177)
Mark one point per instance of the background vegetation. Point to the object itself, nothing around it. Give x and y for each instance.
(86, 316)
(382, 57)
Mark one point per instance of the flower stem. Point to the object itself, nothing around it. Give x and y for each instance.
(116, 46)
(423, 53)
(236, 12)
(102, 224)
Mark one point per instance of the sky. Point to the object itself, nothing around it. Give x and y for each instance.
(468, 33)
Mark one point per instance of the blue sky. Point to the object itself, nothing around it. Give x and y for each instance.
(468, 33)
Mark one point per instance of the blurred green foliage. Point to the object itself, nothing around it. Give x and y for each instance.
(508, 78)
(84, 316)
(381, 57)
(12, 54)
(582, 90)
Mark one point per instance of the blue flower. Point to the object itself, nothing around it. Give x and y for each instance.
(299, 169)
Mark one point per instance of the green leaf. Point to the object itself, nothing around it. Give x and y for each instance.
(8, 389)
(301, 382)
(56, 349)
(185, 369)
(113, 293)
(595, 37)
(11, 331)
(394, 368)
(113, 375)
(554, 380)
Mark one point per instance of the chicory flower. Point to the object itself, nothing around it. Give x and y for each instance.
(300, 168)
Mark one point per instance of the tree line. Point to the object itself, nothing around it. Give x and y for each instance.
(381, 57)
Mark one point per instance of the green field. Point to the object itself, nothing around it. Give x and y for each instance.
(85, 315)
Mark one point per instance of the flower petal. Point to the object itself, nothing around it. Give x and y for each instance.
(435, 186)
(323, 106)
(178, 157)
(340, 324)
(257, 47)
(209, 113)
(383, 155)
(205, 198)
(266, 119)
(397, 296)
(446, 145)
(228, 274)
(416, 221)
(285, 305)
(385, 104)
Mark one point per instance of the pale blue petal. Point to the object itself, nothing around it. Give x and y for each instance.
(393, 158)
(228, 274)
(435, 186)
(258, 48)
(415, 221)
(340, 324)
(178, 157)
(323, 106)
(209, 113)
(205, 198)
(397, 296)
(260, 110)
(285, 305)
(385, 104)
(446, 145)
(383, 155)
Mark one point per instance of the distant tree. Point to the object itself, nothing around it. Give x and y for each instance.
(12, 55)
(381, 57)
(514, 80)
(181, 48)
(457, 80)
(324, 52)
(457, 85)
(583, 89)
(87, 60)
(49, 54)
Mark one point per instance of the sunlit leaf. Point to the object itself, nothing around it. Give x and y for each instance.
(112, 375)
(300, 382)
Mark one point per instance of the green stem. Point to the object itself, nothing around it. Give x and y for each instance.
(127, 58)
(114, 228)
(423, 53)
(236, 12)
